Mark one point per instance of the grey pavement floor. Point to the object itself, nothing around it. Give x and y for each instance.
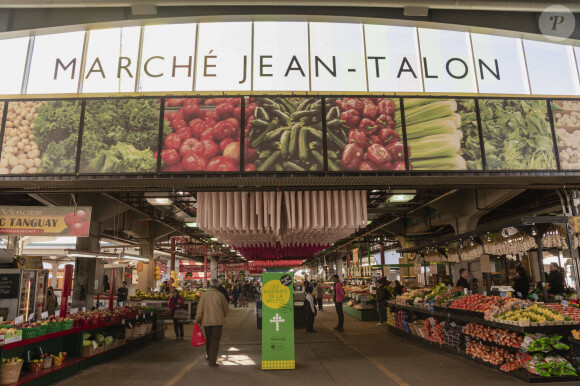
(364, 354)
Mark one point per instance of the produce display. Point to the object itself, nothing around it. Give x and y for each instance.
(444, 295)
(40, 137)
(477, 303)
(495, 355)
(120, 136)
(442, 134)
(570, 312)
(364, 134)
(205, 135)
(516, 134)
(187, 295)
(494, 335)
(453, 336)
(550, 365)
(567, 125)
(283, 134)
(532, 315)
(410, 296)
(539, 342)
(433, 331)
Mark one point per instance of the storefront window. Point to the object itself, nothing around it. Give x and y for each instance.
(12, 64)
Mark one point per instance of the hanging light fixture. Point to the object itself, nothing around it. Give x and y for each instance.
(472, 242)
(534, 230)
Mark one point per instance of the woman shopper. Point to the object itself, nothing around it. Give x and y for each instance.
(51, 301)
(176, 302)
(521, 284)
(338, 300)
(310, 310)
(319, 292)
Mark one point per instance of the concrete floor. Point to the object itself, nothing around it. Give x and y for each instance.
(363, 354)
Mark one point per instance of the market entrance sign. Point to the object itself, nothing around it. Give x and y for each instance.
(45, 221)
(277, 322)
(319, 56)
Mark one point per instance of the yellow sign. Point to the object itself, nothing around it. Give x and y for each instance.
(275, 295)
(575, 223)
(29, 262)
(45, 221)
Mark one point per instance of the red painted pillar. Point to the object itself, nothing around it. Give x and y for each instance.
(382, 251)
(66, 288)
(172, 268)
(205, 267)
(113, 290)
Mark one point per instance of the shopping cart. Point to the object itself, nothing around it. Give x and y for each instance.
(243, 302)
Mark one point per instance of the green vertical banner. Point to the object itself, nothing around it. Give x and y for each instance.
(277, 321)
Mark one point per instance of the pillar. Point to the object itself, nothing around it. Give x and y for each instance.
(85, 271)
(54, 272)
(213, 267)
(146, 276)
(382, 252)
(338, 264)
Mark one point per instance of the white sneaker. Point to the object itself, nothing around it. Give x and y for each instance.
(379, 324)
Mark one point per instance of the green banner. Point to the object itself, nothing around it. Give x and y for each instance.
(277, 321)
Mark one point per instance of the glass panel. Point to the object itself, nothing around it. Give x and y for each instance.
(337, 57)
(364, 134)
(120, 136)
(12, 64)
(167, 57)
(567, 124)
(442, 134)
(224, 56)
(41, 137)
(204, 135)
(392, 58)
(284, 134)
(516, 134)
(447, 61)
(56, 63)
(550, 69)
(281, 56)
(499, 64)
(111, 63)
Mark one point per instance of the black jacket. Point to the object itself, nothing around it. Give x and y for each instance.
(522, 285)
(462, 282)
(556, 281)
(225, 292)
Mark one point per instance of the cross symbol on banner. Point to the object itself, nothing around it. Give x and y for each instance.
(277, 319)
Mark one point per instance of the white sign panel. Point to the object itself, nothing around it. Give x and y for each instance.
(337, 60)
(12, 66)
(550, 68)
(56, 63)
(112, 70)
(167, 58)
(447, 61)
(224, 57)
(281, 56)
(392, 58)
(499, 64)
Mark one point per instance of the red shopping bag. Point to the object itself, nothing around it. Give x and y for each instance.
(198, 339)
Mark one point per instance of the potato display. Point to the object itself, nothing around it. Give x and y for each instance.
(567, 125)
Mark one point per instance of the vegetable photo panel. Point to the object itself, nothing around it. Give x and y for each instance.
(41, 137)
(203, 135)
(120, 136)
(442, 134)
(284, 134)
(567, 124)
(364, 134)
(516, 134)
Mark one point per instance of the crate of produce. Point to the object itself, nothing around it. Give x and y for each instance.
(47, 363)
(10, 371)
(42, 329)
(29, 332)
(54, 326)
(66, 325)
(34, 366)
(57, 361)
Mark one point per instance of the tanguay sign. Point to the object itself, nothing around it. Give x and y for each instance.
(285, 56)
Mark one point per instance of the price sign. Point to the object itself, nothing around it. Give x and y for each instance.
(564, 303)
(95, 345)
(535, 296)
(74, 311)
(1, 318)
(84, 309)
(19, 320)
(143, 304)
(31, 317)
(57, 313)
(484, 293)
(123, 321)
(130, 325)
(151, 314)
(44, 315)
(519, 294)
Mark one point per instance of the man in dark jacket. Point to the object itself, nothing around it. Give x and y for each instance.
(383, 295)
(224, 291)
(556, 280)
(464, 279)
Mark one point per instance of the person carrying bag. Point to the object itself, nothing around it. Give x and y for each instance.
(179, 314)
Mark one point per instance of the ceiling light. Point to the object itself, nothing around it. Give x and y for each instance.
(159, 201)
(191, 224)
(127, 256)
(488, 237)
(534, 230)
(472, 243)
(214, 239)
(400, 198)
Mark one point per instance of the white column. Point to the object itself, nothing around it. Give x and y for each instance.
(54, 281)
(213, 267)
(338, 264)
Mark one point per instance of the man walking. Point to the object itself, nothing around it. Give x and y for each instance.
(319, 292)
(338, 299)
(211, 314)
(383, 295)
